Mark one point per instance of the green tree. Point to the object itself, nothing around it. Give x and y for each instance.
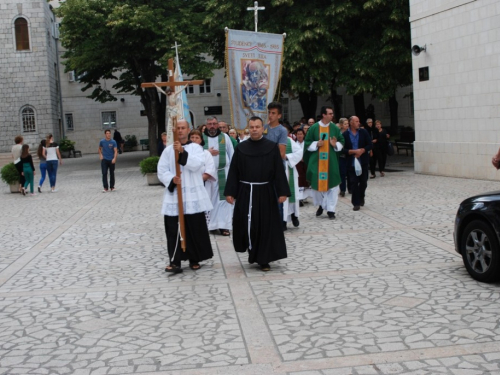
(379, 57)
(359, 44)
(129, 42)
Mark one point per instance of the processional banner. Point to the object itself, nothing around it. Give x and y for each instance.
(177, 105)
(253, 68)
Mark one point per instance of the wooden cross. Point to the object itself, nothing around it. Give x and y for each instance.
(256, 9)
(172, 83)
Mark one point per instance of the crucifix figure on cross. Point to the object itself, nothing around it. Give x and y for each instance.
(256, 9)
(171, 84)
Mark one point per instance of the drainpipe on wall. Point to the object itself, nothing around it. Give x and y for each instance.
(61, 119)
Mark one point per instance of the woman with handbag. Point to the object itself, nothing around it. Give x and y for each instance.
(380, 138)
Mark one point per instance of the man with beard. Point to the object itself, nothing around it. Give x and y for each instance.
(220, 146)
(195, 201)
(257, 183)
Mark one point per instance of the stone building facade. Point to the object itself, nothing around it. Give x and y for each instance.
(88, 118)
(456, 84)
(29, 102)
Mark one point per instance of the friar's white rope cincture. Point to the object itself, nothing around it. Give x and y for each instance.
(250, 208)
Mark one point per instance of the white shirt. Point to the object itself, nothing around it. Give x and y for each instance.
(51, 153)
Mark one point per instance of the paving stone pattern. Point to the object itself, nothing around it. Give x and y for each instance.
(380, 291)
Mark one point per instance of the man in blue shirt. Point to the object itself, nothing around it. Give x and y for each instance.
(277, 133)
(107, 153)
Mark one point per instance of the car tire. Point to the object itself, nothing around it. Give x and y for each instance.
(480, 252)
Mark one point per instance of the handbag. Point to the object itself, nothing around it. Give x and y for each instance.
(390, 149)
(357, 167)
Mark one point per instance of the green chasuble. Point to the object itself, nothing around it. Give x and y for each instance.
(312, 159)
(233, 141)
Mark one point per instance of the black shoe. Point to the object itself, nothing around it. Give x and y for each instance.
(320, 211)
(349, 191)
(301, 204)
(39, 189)
(362, 202)
(331, 215)
(342, 193)
(355, 208)
(373, 176)
(295, 221)
(284, 226)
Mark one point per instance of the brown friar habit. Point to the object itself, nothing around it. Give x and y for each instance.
(258, 162)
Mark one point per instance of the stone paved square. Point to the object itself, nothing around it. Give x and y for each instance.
(380, 291)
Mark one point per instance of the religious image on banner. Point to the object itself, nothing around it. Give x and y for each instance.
(253, 69)
(255, 84)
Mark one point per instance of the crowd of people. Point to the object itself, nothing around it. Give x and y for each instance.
(251, 182)
(254, 182)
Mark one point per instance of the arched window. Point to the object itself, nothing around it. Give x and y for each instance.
(22, 34)
(28, 120)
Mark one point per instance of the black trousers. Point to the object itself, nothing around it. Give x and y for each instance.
(198, 247)
(19, 167)
(379, 157)
(373, 163)
(105, 166)
(358, 184)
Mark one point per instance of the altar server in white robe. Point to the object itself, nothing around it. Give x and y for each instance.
(195, 201)
(221, 148)
(291, 206)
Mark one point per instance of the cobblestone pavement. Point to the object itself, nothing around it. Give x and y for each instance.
(379, 291)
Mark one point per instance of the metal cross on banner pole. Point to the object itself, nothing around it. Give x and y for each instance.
(256, 9)
(172, 83)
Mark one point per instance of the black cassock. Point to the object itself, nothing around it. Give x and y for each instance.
(258, 162)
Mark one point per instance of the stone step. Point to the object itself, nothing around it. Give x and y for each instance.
(6, 158)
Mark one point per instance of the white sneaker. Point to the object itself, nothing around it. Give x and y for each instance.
(105, 190)
(54, 191)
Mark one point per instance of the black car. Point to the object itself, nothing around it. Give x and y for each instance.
(477, 235)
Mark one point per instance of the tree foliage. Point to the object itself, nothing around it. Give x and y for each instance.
(124, 43)
(360, 44)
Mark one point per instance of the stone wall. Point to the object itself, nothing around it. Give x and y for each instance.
(457, 111)
(28, 77)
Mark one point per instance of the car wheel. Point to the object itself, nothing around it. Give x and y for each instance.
(480, 252)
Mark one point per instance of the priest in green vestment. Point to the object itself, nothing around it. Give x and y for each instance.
(322, 144)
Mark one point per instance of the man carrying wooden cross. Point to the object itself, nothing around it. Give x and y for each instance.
(195, 201)
(323, 141)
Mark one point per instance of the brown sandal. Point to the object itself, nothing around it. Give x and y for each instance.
(172, 268)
